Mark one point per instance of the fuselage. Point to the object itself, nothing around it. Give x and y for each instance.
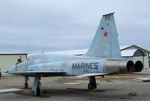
(71, 65)
(67, 65)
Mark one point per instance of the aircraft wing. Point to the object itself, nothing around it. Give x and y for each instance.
(91, 74)
(42, 73)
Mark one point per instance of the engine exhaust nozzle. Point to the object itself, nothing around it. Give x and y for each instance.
(138, 67)
(130, 66)
(119, 66)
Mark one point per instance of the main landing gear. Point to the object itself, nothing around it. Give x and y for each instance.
(36, 86)
(92, 83)
(26, 82)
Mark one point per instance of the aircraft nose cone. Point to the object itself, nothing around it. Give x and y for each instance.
(12, 70)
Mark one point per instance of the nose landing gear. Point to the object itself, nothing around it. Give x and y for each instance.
(36, 86)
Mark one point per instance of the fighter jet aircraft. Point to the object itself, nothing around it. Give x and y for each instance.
(102, 58)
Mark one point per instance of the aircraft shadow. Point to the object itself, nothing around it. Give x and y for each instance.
(76, 92)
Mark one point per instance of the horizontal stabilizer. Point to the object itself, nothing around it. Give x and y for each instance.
(71, 83)
(91, 74)
(9, 90)
(143, 79)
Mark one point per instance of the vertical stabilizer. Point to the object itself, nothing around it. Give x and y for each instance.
(105, 43)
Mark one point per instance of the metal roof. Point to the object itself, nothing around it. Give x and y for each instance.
(123, 47)
(133, 47)
(129, 52)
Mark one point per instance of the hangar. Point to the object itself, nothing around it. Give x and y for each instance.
(8, 59)
(135, 53)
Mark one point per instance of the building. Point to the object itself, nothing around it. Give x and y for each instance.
(8, 60)
(136, 53)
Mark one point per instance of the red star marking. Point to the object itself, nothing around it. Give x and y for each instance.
(105, 34)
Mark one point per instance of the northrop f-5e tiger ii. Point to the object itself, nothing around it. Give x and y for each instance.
(102, 58)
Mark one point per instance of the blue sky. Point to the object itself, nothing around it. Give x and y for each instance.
(54, 25)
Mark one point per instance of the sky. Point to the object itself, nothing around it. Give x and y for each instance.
(54, 25)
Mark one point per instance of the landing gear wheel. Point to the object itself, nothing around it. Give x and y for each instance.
(26, 82)
(36, 86)
(92, 83)
(25, 85)
(38, 91)
(92, 86)
(89, 86)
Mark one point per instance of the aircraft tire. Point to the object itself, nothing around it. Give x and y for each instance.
(25, 85)
(38, 91)
(92, 83)
(90, 86)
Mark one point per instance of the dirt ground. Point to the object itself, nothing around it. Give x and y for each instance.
(121, 87)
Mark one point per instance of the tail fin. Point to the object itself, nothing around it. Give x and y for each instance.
(105, 43)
